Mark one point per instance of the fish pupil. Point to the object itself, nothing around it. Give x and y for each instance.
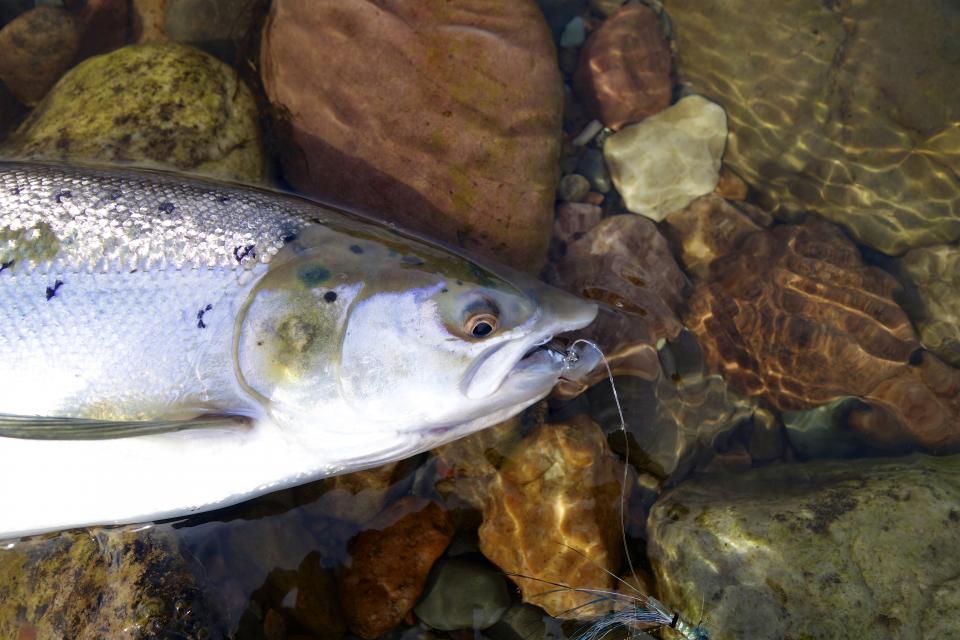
(482, 329)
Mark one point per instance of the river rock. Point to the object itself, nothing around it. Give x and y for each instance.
(147, 21)
(441, 116)
(389, 564)
(624, 71)
(710, 227)
(36, 49)
(463, 595)
(216, 26)
(826, 549)
(104, 24)
(847, 109)
(661, 164)
(626, 264)
(932, 278)
(167, 105)
(101, 583)
(795, 318)
(553, 514)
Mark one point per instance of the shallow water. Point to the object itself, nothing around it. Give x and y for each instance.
(782, 308)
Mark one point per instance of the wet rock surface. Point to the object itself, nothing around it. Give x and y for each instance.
(624, 72)
(389, 563)
(101, 583)
(931, 277)
(443, 116)
(463, 595)
(166, 105)
(846, 109)
(815, 550)
(624, 263)
(36, 49)
(553, 514)
(661, 164)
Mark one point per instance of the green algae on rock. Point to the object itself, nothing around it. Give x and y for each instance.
(931, 276)
(443, 116)
(847, 109)
(101, 583)
(161, 105)
(828, 549)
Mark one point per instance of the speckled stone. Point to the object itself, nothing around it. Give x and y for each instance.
(390, 561)
(444, 117)
(553, 514)
(661, 164)
(932, 278)
(573, 188)
(36, 49)
(101, 583)
(853, 548)
(624, 71)
(167, 105)
(847, 109)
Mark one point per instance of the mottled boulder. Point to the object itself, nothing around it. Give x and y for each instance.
(795, 318)
(441, 116)
(553, 514)
(389, 564)
(626, 264)
(661, 164)
(847, 109)
(931, 276)
(710, 227)
(853, 548)
(101, 583)
(166, 105)
(624, 71)
(36, 49)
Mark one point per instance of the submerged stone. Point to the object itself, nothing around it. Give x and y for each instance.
(847, 109)
(664, 162)
(441, 116)
(931, 276)
(167, 105)
(102, 583)
(817, 550)
(463, 595)
(36, 49)
(553, 514)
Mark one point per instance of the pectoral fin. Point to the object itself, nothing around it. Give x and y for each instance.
(66, 428)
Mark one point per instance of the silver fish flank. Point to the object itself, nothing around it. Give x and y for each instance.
(170, 345)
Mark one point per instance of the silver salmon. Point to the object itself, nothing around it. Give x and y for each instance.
(170, 345)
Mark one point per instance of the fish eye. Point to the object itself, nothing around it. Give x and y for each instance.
(481, 325)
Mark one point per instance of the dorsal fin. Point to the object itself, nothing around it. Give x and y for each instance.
(67, 428)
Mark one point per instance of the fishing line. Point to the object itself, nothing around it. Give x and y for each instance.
(626, 442)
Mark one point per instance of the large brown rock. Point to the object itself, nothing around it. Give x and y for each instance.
(36, 49)
(795, 318)
(389, 564)
(553, 515)
(624, 71)
(441, 116)
(849, 109)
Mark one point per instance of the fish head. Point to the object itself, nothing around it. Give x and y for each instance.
(410, 339)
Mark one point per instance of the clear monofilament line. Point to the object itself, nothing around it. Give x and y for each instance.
(626, 455)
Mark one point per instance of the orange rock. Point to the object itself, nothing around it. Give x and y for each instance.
(624, 71)
(443, 116)
(626, 264)
(553, 515)
(731, 186)
(36, 49)
(389, 563)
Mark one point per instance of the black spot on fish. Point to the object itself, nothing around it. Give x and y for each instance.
(412, 260)
(6, 265)
(444, 290)
(52, 291)
(15, 191)
(222, 199)
(166, 207)
(115, 195)
(60, 196)
(200, 323)
(313, 274)
(459, 281)
(355, 248)
(330, 296)
(242, 252)
(288, 238)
